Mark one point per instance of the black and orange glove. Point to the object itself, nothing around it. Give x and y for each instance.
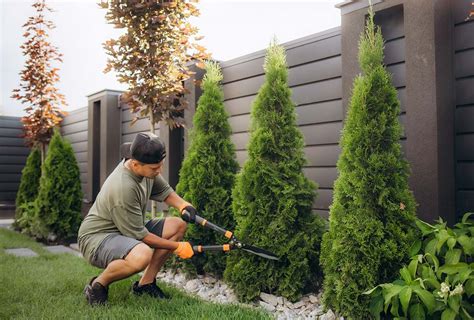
(188, 214)
(184, 250)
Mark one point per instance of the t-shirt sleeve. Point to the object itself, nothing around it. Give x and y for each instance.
(161, 189)
(129, 221)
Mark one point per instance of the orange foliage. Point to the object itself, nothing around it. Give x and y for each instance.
(153, 55)
(38, 78)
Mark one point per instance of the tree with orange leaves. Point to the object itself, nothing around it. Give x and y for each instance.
(152, 57)
(38, 78)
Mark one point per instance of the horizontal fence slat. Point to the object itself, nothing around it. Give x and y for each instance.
(465, 91)
(395, 51)
(239, 106)
(76, 137)
(324, 177)
(80, 146)
(9, 150)
(317, 92)
(14, 123)
(325, 133)
(7, 196)
(11, 168)
(75, 127)
(323, 199)
(465, 201)
(463, 38)
(465, 147)
(14, 142)
(13, 159)
(11, 132)
(465, 175)
(82, 167)
(81, 156)
(9, 186)
(465, 119)
(319, 112)
(398, 74)
(464, 63)
(10, 177)
(76, 116)
(139, 126)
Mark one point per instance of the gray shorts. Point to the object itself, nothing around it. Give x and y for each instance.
(117, 246)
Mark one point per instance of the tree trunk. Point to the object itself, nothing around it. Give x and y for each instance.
(152, 130)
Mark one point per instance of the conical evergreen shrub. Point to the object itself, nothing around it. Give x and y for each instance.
(272, 199)
(58, 205)
(208, 172)
(29, 184)
(372, 214)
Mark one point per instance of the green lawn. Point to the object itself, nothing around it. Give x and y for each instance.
(50, 287)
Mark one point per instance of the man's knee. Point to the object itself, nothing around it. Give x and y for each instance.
(181, 226)
(140, 257)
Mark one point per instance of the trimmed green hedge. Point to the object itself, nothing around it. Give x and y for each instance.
(372, 218)
(273, 199)
(208, 173)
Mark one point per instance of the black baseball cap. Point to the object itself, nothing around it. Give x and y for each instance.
(146, 147)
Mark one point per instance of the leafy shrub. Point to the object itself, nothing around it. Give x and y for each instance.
(439, 281)
(208, 173)
(58, 205)
(29, 185)
(273, 199)
(372, 217)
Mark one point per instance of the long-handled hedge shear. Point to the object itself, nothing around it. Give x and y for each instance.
(231, 245)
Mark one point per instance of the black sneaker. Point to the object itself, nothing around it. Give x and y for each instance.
(96, 294)
(151, 289)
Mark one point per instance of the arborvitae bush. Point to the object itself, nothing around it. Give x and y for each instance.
(272, 198)
(58, 205)
(373, 212)
(29, 184)
(208, 172)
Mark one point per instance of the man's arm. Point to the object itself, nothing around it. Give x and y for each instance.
(159, 243)
(174, 200)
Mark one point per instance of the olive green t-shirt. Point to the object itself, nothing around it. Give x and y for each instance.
(120, 208)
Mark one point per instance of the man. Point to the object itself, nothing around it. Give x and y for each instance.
(114, 236)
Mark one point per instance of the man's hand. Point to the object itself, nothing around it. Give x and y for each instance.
(188, 214)
(184, 250)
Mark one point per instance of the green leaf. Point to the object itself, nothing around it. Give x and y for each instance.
(433, 259)
(466, 216)
(454, 302)
(442, 237)
(452, 268)
(417, 312)
(376, 306)
(451, 242)
(467, 244)
(415, 248)
(413, 266)
(425, 228)
(427, 298)
(389, 293)
(469, 287)
(405, 296)
(431, 246)
(465, 314)
(406, 275)
(453, 256)
(448, 314)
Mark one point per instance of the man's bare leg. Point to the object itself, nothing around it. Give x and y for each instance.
(137, 260)
(173, 229)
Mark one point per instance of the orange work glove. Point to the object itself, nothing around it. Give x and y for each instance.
(184, 250)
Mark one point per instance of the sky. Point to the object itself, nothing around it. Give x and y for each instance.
(230, 29)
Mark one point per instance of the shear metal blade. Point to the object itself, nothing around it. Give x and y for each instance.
(260, 252)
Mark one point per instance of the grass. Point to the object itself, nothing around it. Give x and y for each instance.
(50, 287)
